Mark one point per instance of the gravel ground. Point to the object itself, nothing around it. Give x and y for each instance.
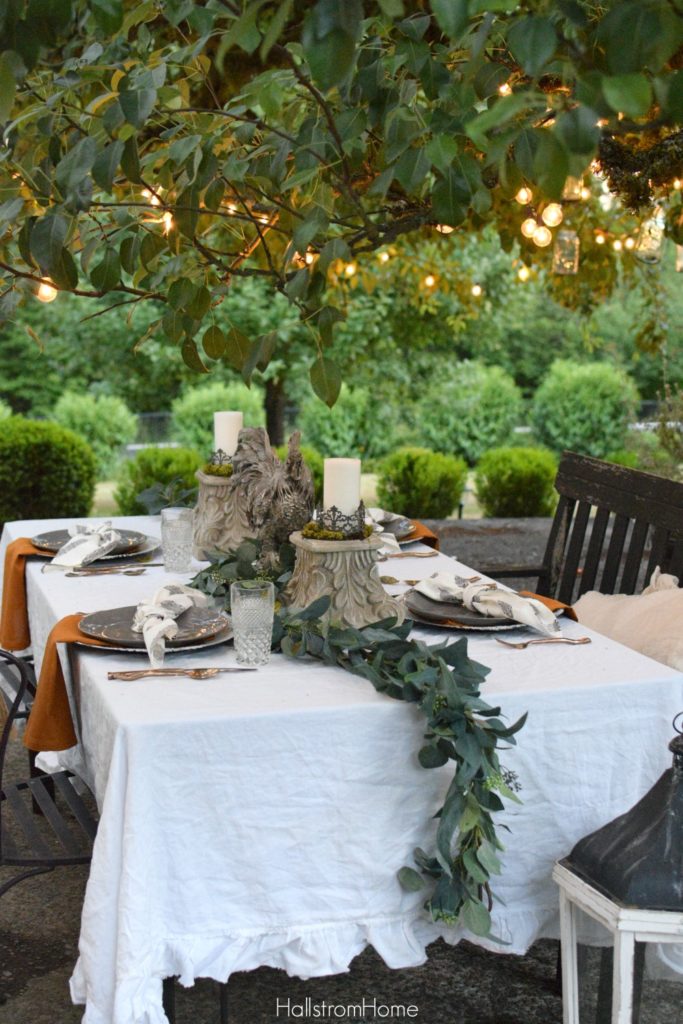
(39, 925)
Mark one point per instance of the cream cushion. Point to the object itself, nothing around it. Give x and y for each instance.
(651, 622)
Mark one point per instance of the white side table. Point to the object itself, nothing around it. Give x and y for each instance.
(628, 925)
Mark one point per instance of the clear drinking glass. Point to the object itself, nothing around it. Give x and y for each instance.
(177, 527)
(252, 606)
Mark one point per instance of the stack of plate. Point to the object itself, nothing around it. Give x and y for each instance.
(197, 628)
(131, 544)
(450, 615)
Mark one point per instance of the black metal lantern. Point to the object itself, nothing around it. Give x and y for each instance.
(637, 859)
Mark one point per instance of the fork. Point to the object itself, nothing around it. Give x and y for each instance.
(545, 640)
(80, 574)
(409, 554)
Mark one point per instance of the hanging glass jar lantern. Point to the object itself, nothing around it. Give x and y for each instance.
(566, 253)
(650, 238)
(572, 189)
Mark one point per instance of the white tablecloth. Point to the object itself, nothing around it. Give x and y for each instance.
(261, 819)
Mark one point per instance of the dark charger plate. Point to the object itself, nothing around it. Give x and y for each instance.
(446, 613)
(55, 539)
(115, 627)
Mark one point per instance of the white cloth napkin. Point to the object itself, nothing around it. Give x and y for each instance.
(379, 517)
(489, 599)
(85, 544)
(156, 618)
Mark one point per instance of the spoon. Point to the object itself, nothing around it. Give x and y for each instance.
(409, 554)
(546, 640)
(81, 574)
(192, 673)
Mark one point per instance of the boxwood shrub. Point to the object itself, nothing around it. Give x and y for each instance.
(585, 407)
(46, 471)
(192, 413)
(421, 484)
(513, 482)
(156, 467)
(105, 422)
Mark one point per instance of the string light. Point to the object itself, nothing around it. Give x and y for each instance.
(232, 208)
(524, 196)
(505, 89)
(444, 229)
(524, 273)
(585, 193)
(430, 281)
(552, 215)
(383, 257)
(263, 220)
(309, 258)
(46, 292)
(350, 269)
(542, 236)
(630, 243)
(477, 290)
(617, 245)
(677, 183)
(529, 226)
(167, 221)
(153, 199)
(600, 238)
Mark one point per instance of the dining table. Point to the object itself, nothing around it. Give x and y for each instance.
(260, 818)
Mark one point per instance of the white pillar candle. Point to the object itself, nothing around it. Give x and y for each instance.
(341, 485)
(226, 431)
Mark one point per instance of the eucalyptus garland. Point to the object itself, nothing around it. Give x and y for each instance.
(444, 683)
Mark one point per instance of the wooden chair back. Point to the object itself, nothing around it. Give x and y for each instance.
(612, 527)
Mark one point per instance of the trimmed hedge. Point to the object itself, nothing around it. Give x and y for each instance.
(585, 407)
(512, 482)
(155, 466)
(315, 463)
(357, 425)
(467, 410)
(192, 413)
(105, 422)
(421, 484)
(46, 471)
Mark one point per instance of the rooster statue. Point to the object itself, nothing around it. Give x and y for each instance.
(278, 497)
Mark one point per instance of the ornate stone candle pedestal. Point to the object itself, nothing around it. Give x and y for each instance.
(346, 570)
(220, 521)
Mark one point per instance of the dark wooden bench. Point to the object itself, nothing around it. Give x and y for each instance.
(612, 527)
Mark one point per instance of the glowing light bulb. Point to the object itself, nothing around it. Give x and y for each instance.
(524, 196)
(383, 257)
(477, 290)
(167, 221)
(523, 273)
(153, 200)
(430, 281)
(309, 258)
(350, 269)
(529, 226)
(552, 215)
(46, 292)
(600, 238)
(263, 220)
(542, 236)
(444, 229)
(677, 183)
(617, 245)
(232, 208)
(630, 243)
(505, 89)
(585, 193)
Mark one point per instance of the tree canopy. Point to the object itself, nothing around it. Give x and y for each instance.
(158, 150)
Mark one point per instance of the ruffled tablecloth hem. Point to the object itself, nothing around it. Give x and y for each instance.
(302, 951)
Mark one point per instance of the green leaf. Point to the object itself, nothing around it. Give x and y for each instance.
(412, 168)
(326, 380)
(452, 16)
(410, 879)
(431, 756)
(150, 248)
(74, 166)
(335, 249)
(8, 86)
(639, 34)
(628, 94)
(47, 240)
(551, 165)
(200, 302)
(499, 113)
(107, 273)
(130, 161)
(180, 293)
(137, 105)
(191, 356)
(277, 23)
(214, 342)
(532, 41)
(447, 207)
(326, 319)
(129, 252)
(214, 194)
(475, 917)
(440, 150)
(11, 209)
(329, 38)
(108, 14)
(578, 130)
(237, 348)
(106, 164)
(64, 272)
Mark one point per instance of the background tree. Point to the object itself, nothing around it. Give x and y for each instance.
(158, 150)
